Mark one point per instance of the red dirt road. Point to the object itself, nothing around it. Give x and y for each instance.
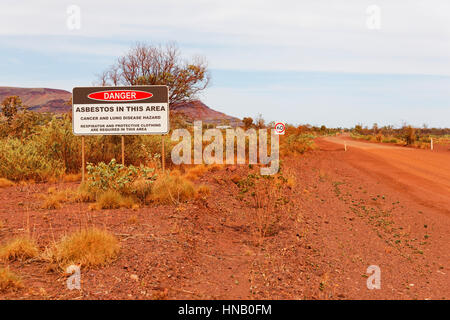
(422, 174)
(343, 212)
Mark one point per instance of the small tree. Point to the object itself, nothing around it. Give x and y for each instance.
(10, 106)
(358, 128)
(410, 134)
(259, 121)
(248, 122)
(375, 128)
(159, 65)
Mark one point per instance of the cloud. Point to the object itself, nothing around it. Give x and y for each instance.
(247, 34)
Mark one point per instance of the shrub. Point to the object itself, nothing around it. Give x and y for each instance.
(379, 137)
(114, 176)
(25, 161)
(296, 144)
(409, 134)
(9, 280)
(20, 248)
(88, 247)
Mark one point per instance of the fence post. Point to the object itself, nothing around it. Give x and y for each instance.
(431, 144)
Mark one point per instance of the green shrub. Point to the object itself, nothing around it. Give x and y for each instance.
(296, 143)
(25, 161)
(124, 179)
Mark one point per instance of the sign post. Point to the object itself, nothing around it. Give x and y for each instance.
(123, 150)
(83, 164)
(131, 110)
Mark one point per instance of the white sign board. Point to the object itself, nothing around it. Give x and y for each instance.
(120, 110)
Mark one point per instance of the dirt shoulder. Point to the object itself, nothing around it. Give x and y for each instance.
(336, 220)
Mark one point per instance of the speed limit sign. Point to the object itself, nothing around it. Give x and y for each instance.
(280, 128)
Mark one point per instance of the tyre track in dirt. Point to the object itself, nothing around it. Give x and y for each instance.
(424, 175)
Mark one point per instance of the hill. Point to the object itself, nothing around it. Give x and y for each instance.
(40, 99)
(197, 110)
(55, 100)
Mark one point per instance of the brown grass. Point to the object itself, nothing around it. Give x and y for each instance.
(4, 183)
(83, 194)
(172, 189)
(9, 280)
(112, 199)
(203, 190)
(196, 172)
(55, 197)
(72, 177)
(88, 247)
(20, 248)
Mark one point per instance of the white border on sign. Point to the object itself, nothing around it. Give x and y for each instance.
(122, 133)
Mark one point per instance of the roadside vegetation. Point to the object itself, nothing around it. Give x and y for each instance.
(89, 248)
(406, 135)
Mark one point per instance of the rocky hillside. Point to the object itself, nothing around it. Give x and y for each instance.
(197, 110)
(55, 100)
(40, 99)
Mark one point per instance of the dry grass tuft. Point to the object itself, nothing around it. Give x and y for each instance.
(72, 177)
(51, 203)
(84, 194)
(172, 189)
(20, 248)
(88, 247)
(196, 172)
(9, 280)
(215, 167)
(203, 190)
(4, 183)
(54, 198)
(112, 199)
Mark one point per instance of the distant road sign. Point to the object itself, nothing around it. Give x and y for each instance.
(120, 110)
(280, 128)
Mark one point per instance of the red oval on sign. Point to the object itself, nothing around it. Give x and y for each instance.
(120, 95)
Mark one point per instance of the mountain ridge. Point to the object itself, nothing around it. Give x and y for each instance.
(56, 101)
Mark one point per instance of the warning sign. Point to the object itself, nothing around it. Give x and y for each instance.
(120, 110)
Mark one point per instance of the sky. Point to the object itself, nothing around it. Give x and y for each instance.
(334, 62)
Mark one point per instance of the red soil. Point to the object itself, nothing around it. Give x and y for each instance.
(346, 211)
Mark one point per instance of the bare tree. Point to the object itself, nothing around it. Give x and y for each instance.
(159, 65)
